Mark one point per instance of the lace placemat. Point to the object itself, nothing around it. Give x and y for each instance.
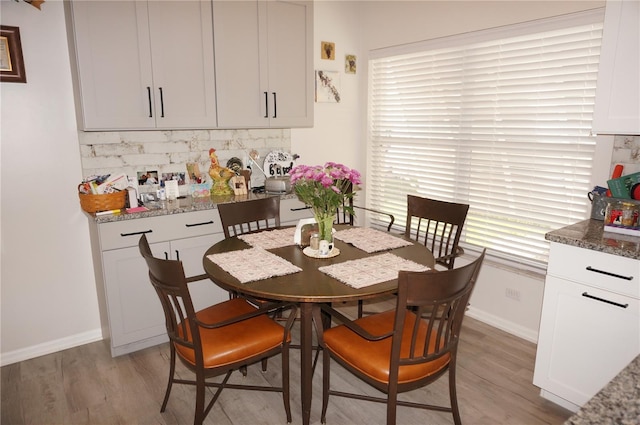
(248, 265)
(371, 270)
(370, 240)
(269, 239)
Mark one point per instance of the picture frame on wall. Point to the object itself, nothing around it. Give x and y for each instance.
(11, 60)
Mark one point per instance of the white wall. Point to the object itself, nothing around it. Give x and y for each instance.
(48, 292)
(336, 135)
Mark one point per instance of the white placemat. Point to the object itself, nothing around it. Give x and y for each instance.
(248, 265)
(371, 270)
(269, 239)
(370, 240)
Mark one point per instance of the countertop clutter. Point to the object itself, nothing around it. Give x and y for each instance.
(181, 205)
(617, 403)
(590, 234)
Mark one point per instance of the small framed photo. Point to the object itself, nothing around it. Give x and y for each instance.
(350, 64)
(11, 61)
(327, 50)
(179, 177)
(147, 178)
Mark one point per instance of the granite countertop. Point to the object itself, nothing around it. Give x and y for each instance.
(183, 205)
(590, 234)
(618, 403)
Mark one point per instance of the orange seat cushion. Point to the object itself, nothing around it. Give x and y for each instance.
(373, 358)
(236, 342)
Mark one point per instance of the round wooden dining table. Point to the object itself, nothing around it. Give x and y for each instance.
(308, 289)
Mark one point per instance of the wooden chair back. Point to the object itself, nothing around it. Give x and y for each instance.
(438, 225)
(244, 217)
(170, 283)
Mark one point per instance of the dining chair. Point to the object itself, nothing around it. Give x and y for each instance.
(218, 339)
(401, 350)
(248, 216)
(438, 226)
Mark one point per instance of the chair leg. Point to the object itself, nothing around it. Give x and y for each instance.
(200, 390)
(392, 404)
(243, 371)
(172, 370)
(264, 364)
(453, 394)
(326, 362)
(360, 308)
(285, 382)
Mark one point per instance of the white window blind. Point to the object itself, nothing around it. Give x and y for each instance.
(498, 119)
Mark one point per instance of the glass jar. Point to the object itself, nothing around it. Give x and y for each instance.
(613, 213)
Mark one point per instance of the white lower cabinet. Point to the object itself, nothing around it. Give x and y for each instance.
(130, 310)
(588, 332)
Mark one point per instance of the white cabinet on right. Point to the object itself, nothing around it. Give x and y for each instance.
(590, 325)
(617, 107)
(264, 63)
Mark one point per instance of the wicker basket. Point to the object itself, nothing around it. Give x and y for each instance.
(106, 202)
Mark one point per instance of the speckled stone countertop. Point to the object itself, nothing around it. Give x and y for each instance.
(590, 234)
(617, 403)
(180, 206)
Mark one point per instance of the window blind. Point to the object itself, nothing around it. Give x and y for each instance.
(498, 119)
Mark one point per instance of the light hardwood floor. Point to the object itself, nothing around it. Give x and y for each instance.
(85, 385)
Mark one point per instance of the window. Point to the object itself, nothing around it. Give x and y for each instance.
(498, 119)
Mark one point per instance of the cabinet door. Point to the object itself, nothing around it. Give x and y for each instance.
(114, 64)
(290, 62)
(183, 63)
(135, 313)
(191, 251)
(241, 103)
(587, 336)
(617, 107)
(265, 76)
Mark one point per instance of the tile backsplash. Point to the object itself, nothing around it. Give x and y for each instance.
(169, 151)
(626, 151)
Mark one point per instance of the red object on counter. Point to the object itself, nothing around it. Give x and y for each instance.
(617, 172)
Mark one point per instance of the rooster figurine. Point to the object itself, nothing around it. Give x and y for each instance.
(220, 176)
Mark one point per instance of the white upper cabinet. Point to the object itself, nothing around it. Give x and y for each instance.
(617, 108)
(264, 63)
(144, 65)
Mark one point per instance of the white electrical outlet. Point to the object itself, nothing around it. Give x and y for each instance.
(514, 294)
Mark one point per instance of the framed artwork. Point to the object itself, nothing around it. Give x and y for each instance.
(350, 64)
(11, 62)
(327, 50)
(328, 86)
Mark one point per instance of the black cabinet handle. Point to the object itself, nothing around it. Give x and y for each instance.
(266, 105)
(136, 233)
(161, 103)
(177, 255)
(275, 106)
(585, 294)
(591, 269)
(166, 255)
(150, 106)
(199, 224)
(300, 209)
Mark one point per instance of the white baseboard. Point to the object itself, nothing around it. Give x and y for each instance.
(500, 323)
(50, 347)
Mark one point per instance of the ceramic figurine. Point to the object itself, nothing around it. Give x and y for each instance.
(220, 176)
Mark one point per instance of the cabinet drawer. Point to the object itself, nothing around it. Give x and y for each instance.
(122, 234)
(597, 269)
(292, 210)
